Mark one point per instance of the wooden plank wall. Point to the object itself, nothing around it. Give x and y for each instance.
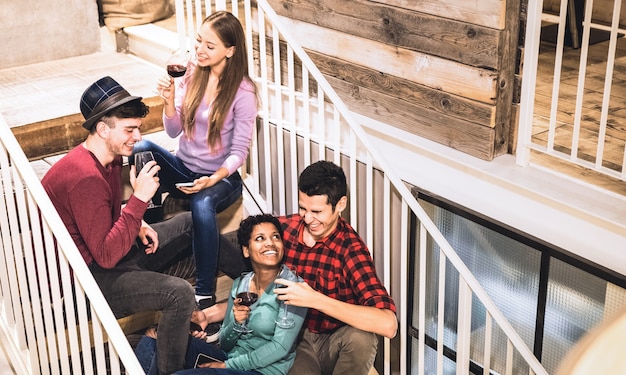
(442, 69)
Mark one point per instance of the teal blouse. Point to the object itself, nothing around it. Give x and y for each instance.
(269, 349)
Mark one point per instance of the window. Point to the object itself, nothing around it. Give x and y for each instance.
(551, 298)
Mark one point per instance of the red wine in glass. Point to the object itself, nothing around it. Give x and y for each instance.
(247, 298)
(176, 70)
(176, 64)
(141, 159)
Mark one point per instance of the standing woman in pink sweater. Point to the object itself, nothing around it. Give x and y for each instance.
(213, 108)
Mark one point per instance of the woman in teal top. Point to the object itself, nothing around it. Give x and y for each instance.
(268, 349)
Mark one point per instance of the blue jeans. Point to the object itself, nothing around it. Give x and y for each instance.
(204, 208)
(146, 354)
(132, 287)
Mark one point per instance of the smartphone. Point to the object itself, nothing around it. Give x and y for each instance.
(205, 358)
(184, 184)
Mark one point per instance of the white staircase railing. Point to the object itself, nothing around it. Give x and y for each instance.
(573, 136)
(302, 120)
(53, 317)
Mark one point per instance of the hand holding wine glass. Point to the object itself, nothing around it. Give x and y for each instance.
(141, 159)
(245, 297)
(176, 66)
(284, 320)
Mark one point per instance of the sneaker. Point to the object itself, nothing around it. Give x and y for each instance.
(212, 332)
(205, 302)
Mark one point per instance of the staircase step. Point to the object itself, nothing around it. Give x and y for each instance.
(151, 42)
(40, 102)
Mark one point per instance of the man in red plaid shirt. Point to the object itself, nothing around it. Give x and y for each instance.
(348, 304)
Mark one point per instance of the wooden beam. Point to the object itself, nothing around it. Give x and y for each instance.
(457, 122)
(488, 13)
(431, 71)
(427, 98)
(59, 135)
(432, 99)
(461, 135)
(464, 42)
(506, 79)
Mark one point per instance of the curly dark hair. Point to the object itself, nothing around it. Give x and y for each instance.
(245, 228)
(324, 178)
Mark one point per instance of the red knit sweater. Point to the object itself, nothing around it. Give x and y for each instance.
(88, 198)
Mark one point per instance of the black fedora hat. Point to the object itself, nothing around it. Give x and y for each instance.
(102, 96)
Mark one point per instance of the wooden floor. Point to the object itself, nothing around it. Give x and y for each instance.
(591, 111)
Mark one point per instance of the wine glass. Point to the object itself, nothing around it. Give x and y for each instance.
(176, 65)
(247, 298)
(141, 159)
(284, 320)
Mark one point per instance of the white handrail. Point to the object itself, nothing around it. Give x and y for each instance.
(61, 307)
(584, 148)
(323, 133)
(272, 20)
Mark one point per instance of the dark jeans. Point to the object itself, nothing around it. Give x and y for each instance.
(146, 354)
(204, 208)
(134, 286)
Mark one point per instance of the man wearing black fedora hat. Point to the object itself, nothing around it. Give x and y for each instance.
(117, 245)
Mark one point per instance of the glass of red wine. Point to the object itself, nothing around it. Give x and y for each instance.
(246, 297)
(141, 159)
(177, 63)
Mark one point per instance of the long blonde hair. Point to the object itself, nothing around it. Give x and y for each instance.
(230, 32)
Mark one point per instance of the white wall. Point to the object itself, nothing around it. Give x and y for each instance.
(33, 31)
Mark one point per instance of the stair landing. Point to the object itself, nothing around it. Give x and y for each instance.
(40, 102)
(43, 91)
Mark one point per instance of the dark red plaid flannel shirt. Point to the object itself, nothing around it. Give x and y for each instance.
(339, 266)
